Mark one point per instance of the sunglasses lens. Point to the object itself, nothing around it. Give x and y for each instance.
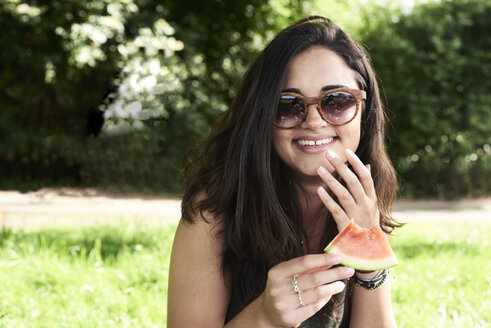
(290, 111)
(338, 107)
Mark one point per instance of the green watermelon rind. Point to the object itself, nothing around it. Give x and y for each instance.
(362, 264)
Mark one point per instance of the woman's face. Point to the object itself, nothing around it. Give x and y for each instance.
(309, 73)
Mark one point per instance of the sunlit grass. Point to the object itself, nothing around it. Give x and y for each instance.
(116, 276)
(444, 276)
(104, 276)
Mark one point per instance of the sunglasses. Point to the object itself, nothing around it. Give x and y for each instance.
(336, 107)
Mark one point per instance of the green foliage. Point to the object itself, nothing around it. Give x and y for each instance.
(433, 64)
(61, 58)
(31, 161)
(125, 163)
(160, 72)
(167, 68)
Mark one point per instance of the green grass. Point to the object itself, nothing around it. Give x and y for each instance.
(116, 276)
(444, 275)
(103, 276)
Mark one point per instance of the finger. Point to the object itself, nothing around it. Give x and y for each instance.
(323, 292)
(363, 172)
(338, 213)
(301, 264)
(306, 282)
(352, 181)
(344, 196)
(324, 295)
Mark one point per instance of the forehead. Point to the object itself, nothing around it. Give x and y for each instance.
(316, 68)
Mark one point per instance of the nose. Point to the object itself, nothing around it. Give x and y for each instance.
(314, 120)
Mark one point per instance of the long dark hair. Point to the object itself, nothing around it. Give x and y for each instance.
(242, 185)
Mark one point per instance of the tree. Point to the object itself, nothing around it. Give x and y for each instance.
(433, 63)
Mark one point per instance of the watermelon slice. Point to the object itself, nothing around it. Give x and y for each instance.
(363, 249)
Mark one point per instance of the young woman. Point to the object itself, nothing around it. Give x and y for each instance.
(299, 153)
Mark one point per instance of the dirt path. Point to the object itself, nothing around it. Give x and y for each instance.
(85, 207)
(81, 207)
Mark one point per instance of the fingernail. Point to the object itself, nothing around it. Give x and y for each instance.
(322, 170)
(331, 154)
(340, 285)
(349, 152)
(348, 271)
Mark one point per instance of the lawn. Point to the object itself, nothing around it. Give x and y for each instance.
(444, 275)
(101, 276)
(116, 276)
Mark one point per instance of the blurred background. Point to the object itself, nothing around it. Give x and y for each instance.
(112, 94)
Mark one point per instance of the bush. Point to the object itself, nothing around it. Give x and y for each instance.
(138, 161)
(71, 64)
(434, 65)
(58, 61)
(160, 72)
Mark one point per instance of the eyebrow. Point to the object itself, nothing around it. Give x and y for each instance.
(325, 88)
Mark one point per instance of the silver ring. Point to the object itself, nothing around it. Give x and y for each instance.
(298, 291)
(300, 301)
(295, 285)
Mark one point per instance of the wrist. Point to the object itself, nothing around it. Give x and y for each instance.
(262, 318)
(366, 274)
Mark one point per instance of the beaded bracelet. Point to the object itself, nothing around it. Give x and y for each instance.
(373, 283)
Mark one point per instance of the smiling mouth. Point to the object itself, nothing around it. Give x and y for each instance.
(320, 142)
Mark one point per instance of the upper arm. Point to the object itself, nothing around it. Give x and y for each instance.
(197, 295)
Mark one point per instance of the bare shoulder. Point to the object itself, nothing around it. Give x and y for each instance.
(195, 277)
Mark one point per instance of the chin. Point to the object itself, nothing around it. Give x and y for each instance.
(311, 172)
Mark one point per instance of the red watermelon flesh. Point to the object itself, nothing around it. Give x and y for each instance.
(363, 249)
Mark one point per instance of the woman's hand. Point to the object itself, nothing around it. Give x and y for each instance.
(359, 201)
(282, 305)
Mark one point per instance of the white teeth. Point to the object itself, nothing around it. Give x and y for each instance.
(314, 143)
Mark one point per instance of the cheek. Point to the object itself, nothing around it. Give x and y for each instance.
(279, 141)
(350, 134)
